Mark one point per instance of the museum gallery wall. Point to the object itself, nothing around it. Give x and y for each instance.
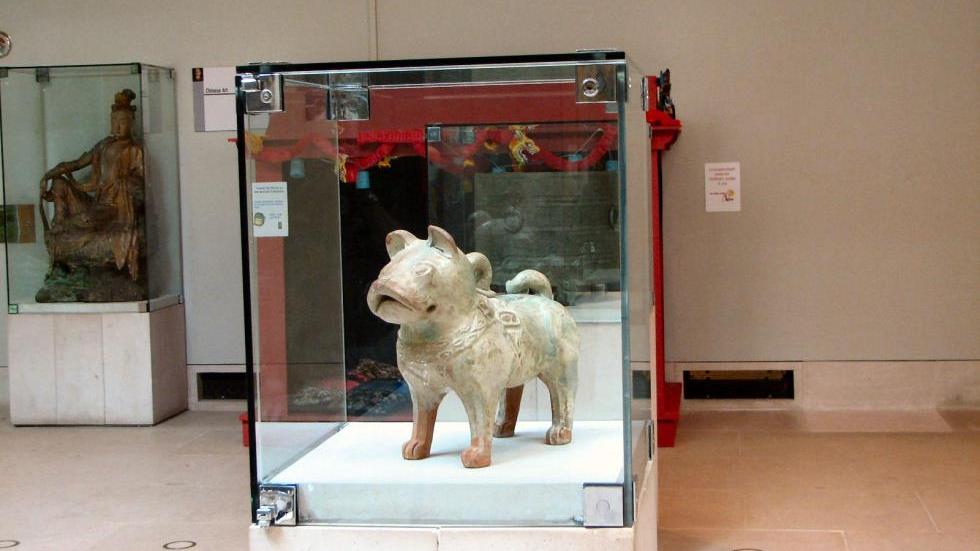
(827, 152)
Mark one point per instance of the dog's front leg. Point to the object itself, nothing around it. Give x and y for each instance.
(480, 409)
(425, 406)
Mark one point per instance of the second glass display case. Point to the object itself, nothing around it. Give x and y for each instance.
(90, 186)
(436, 279)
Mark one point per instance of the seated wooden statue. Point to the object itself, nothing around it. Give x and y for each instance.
(95, 238)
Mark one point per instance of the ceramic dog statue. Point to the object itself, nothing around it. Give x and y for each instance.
(458, 335)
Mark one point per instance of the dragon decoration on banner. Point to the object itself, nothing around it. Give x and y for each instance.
(390, 144)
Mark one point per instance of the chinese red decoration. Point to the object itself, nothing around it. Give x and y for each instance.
(378, 147)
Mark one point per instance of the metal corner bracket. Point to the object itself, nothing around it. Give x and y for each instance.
(277, 505)
(349, 98)
(595, 83)
(602, 505)
(262, 93)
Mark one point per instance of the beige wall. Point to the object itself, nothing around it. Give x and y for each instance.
(856, 125)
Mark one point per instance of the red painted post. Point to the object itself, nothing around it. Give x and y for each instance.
(664, 130)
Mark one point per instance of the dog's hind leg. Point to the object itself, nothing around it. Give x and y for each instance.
(562, 391)
(510, 405)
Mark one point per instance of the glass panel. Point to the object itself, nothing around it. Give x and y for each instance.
(546, 197)
(508, 162)
(293, 200)
(636, 174)
(103, 146)
(159, 119)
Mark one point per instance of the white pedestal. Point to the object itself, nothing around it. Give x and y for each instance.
(97, 368)
(642, 536)
(369, 480)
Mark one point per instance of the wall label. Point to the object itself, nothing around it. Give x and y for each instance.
(722, 187)
(214, 98)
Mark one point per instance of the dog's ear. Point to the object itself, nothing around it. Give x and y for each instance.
(440, 239)
(481, 270)
(398, 240)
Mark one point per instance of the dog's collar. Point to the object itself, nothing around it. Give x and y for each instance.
(484, 316)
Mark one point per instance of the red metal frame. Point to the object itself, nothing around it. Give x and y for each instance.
(664, 131)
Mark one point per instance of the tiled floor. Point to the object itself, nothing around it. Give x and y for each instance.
(124, 489)
(757, 480)
(859, 481)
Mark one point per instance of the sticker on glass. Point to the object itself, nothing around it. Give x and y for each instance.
(270, 209)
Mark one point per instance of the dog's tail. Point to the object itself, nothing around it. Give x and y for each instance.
(531, 282)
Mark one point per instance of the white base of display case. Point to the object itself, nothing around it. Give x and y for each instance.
(642, 536)
(339, 480)
(132, 307)
(97, 369)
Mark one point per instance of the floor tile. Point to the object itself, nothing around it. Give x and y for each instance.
(795, 443)
(704, 509)
(727, 540)
(954, 506)
(874, 421)
(56, 441)
(887, 541)
(740, 421)
(897, 510)
(693, 472)
(817, 472)
(126, 488)
(59, 539)
(701, 443)
(201, 420)
(217, 441)
(210, 536)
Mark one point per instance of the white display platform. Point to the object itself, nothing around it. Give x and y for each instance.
(359, 476)
(642, 536)
(97, 369)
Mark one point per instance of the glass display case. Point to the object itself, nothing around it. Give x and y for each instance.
(391, 212)
(90, 188)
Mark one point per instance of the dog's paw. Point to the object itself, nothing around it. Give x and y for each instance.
(503, 430)
(415, 449)
(475, 457)
(558, 436)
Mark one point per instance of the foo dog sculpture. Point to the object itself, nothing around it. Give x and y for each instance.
(95, 239)
(456, 334)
